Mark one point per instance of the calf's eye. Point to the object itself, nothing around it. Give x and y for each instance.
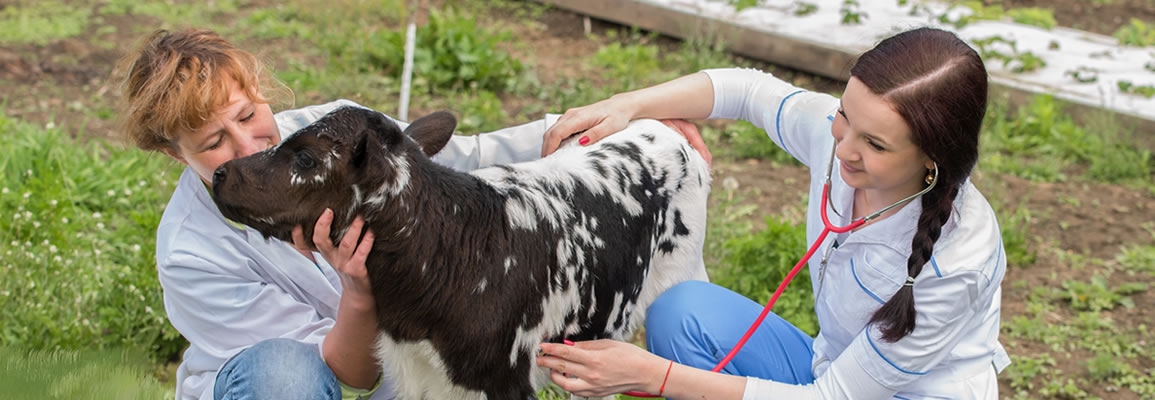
(304, 162)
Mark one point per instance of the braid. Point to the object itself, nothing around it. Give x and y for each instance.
(938, 84)
(897, 316)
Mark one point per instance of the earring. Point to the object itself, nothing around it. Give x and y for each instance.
(931, 174)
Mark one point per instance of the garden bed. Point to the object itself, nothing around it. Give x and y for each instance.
(1027, 52)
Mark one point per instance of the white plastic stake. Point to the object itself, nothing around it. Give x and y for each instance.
(407, 70)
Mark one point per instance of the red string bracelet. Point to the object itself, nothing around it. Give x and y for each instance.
(663, 388)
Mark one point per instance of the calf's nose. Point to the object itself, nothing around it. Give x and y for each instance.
(219, 176)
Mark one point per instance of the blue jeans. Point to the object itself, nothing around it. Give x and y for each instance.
(697, 323)
(277, 369)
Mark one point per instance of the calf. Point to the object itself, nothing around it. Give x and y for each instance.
(472, 271)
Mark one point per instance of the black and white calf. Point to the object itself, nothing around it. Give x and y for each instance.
(472, 271)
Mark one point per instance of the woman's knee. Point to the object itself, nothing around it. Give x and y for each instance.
(682, 301)
(275, 368)
(287, 352)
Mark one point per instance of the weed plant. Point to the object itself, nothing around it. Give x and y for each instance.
(452, 52)
(78, 262)
(1028, 143)
(756, 264)
(1136, 33)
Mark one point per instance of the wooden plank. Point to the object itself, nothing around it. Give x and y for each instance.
(812, 57)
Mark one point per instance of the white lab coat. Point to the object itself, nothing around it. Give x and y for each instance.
(954, 350)
(227, 288)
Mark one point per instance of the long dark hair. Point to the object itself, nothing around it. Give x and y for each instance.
(938, 84)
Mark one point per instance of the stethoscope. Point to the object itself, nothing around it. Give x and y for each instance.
(827, 228)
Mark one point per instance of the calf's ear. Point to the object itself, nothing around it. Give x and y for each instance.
(378, 135)
(432, 131)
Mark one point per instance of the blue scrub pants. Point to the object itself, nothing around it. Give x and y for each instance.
(282, 369)
(697, 323)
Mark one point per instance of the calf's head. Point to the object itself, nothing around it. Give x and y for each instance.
(346, 159)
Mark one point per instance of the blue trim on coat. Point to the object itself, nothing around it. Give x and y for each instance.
(855, 273)
(998, 258)
(934, 264)
(871, 341)
(778, 121)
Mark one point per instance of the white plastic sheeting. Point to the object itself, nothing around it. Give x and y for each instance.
(1064, 51)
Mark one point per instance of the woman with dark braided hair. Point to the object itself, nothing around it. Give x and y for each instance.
(907, 304)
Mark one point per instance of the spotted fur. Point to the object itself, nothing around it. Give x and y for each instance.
(472, 271)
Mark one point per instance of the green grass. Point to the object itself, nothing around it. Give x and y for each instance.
(172, 13)
(40, 22)
(79, 221)
(1042, 142)
(756, 264)
(1136, 33)
(77, 374)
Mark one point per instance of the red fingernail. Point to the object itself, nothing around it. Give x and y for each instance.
(584, 140)
(567, 341)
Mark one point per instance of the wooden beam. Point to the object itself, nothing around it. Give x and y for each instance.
(813, 57)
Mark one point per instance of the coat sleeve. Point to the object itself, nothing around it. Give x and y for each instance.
(463, 152)
(510, 145)
(796, 120)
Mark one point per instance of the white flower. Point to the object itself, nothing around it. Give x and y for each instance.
(16, 216)
(50, 125)
(96, 252)
(44, 243)
(14, 243)
(31, 284)
(142, 183)
(127, 192)
(100, 225)
(64, 220)
(52, 202)
(52, 249)
(35, 224)
(4, 191)
(96, 215)
(148, 309)
(28, 194)
(57, 259)
(111, 193)
(84, 322)
(136, 248)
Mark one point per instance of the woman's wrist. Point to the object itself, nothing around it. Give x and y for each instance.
(664, 377)
(629, 104)
(359, 303)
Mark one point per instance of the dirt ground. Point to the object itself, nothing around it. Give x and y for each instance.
(65, 81)
(1102, 17)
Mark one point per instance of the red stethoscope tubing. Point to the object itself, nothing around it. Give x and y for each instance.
(827, 228)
